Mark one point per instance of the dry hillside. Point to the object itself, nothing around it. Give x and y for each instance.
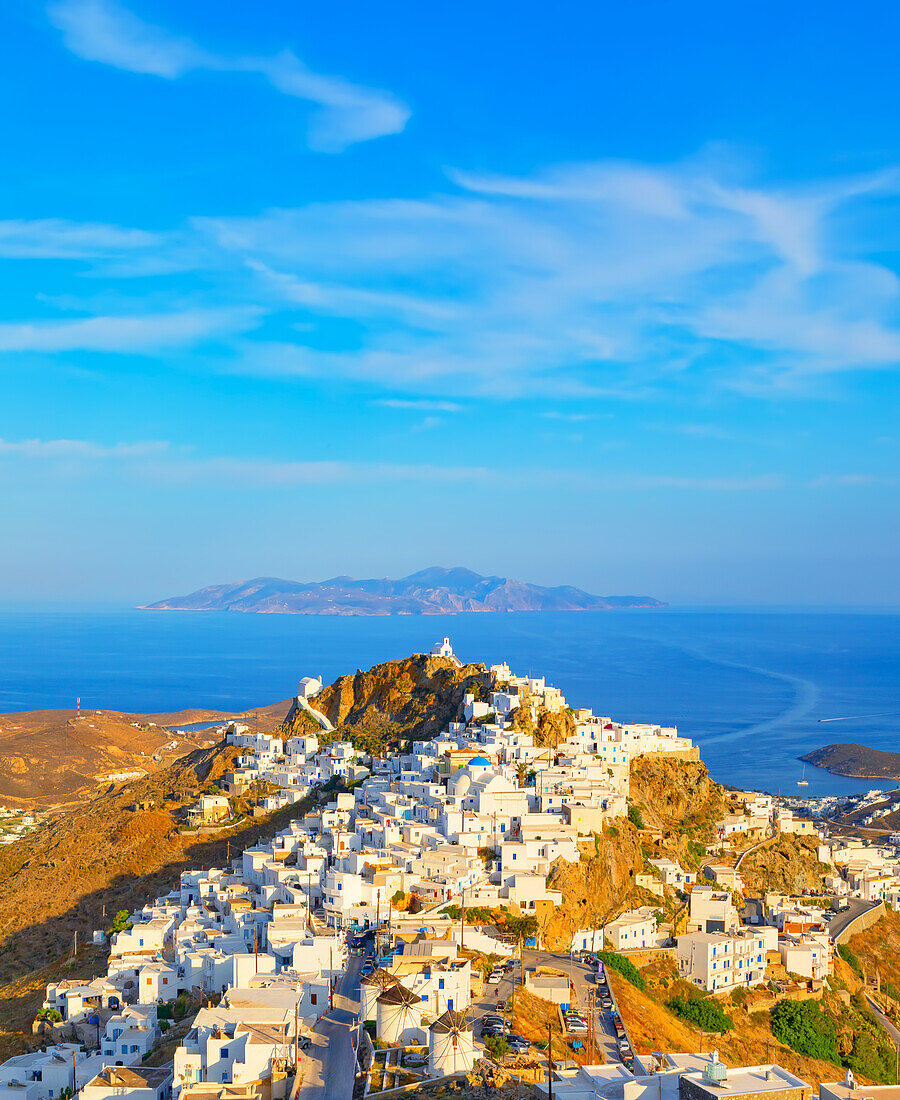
(597, 887)
(677, 797)
(50, 756)
(652, 1026)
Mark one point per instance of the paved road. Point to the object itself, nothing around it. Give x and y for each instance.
(329, 1068)
(890, 1028)
(839, 922)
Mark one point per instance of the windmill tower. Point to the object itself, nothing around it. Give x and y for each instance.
(371, 988)
(451, 1044)
(398, 1016)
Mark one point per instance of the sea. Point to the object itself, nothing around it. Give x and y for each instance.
(752, 688)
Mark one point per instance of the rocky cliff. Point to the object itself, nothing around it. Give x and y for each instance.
(787, 865)
(677, 796)
(596, 888)
(396, 701)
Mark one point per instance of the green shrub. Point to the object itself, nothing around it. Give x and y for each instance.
(54, 1016)
(634, 816)
(497, 1046)
(850, 959)
(804, 1027)
(623, 966)
(703, 1012)
(121, 923)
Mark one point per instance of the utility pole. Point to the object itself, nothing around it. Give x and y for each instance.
(462, 916)
(330, 975)
(296, 1043)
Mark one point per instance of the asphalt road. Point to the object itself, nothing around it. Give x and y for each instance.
(329, 1068)
(839, 921)
(889, 1027)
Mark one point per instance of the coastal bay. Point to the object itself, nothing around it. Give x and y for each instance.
(748, 687)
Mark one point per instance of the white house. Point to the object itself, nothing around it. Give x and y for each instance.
(635, 929)
(721, 961)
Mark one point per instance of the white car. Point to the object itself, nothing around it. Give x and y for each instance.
(495, 977)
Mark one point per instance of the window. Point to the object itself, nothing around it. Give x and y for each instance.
(224, 1052)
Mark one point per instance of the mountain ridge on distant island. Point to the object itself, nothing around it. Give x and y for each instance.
(857, 761)
(432, 591)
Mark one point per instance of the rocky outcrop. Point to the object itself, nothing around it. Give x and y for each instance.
(549, 728)
(677, 796)
(786, 866)
(400, 700)
(596, 888)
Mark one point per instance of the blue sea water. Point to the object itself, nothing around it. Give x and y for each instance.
(748, 687)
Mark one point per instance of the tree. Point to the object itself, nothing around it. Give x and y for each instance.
(121, 923)
(634, 816)
(497, 1046)
(522, 927)
(804, 1027)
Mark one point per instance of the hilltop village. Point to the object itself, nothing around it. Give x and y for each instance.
(480, 905)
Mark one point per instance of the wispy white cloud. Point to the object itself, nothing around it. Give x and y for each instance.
(165, 462)
(852, 481)
(581, 282)
(53, 238)
(568, 417)
(80, 449)
(345, 113)
(588, 281)
(422, 404)
(134, 334)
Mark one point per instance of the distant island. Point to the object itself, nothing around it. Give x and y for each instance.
(434, 591)
(858, 761)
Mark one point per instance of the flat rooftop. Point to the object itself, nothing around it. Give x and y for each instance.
(749, 1079)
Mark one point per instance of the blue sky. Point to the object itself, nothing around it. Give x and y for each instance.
(592, 294)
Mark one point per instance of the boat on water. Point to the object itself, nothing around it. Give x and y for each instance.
(803, 781)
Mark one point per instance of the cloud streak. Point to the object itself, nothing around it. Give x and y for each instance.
(344, 113)
(164, 462)
(595, 280)
(146, 333)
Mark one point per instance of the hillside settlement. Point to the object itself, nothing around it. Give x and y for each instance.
(423, 914)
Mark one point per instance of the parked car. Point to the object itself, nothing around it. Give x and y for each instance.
(367, 969)
(606, 1002)
(494, 1031)
(495, 977)
(492, 1018)
(518, 1044)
